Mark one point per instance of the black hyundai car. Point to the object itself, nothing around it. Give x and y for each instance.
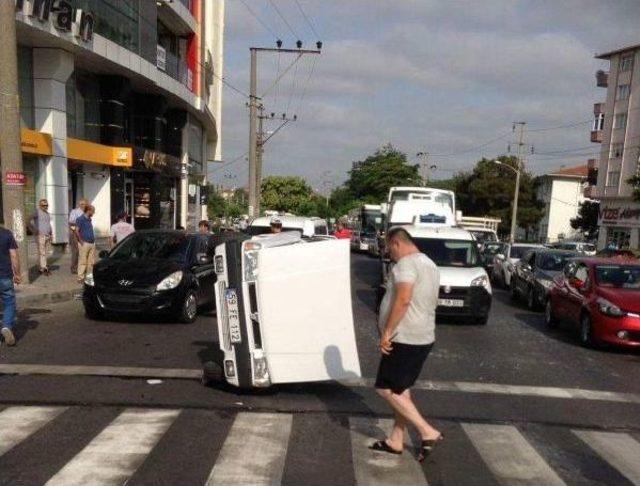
(154, 272)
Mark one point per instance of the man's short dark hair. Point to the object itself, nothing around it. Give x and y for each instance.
(400, 234)
(204, 222)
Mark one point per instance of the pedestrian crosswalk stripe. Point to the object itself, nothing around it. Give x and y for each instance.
(509, 456)
(378, 468)
(619, 449)
(116, 452)
(18, 423)
(254, 451)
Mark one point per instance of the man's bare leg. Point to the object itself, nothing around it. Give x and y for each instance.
(396, 437)
(403, 405)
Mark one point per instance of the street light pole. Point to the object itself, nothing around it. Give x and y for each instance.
(514, 211)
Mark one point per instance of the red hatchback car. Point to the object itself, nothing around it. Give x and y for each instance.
(600, 297)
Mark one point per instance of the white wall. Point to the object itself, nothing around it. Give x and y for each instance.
(96, 187)
(566, 197)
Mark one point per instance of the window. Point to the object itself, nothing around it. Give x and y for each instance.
(25, 74)
(622, 93)
(598, 122)
(626, 63)
(450, 253)
(618, 238)
(613, 178)
(617, 150)
(620, 120)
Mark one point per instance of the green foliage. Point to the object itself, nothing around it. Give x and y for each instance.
(635, 183)
(288, 194)
(219, 207)
(587, 219)
(216, 204)
(488, 191)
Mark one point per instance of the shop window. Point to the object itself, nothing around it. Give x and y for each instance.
(620, 238)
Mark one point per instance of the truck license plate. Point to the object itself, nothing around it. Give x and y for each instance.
(233, 315)
(451, 302)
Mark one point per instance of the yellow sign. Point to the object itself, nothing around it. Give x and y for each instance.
(33, 142)
(96, 153)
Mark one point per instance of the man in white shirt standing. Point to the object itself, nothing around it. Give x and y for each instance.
(120, 230)
(73, 235)
(407, 319)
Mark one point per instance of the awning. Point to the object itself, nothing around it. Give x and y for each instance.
(96, 153)
(37, 143)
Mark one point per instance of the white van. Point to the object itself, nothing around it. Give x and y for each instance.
(284, 310)
(307, 227)
(465, 290)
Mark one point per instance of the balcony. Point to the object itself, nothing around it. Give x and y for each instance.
(598, 108)
(174, 67)
(591, 192)
(596, 136)
(602, 79)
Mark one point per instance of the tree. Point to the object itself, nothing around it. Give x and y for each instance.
(635, 184)
(287, 194)
(587, 219)
(488, 191)
(216, 204)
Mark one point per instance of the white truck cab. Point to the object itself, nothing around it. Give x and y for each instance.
(465, 290)
(425, 204)
(284, 310)
(308, 227)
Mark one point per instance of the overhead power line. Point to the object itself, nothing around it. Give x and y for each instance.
(306, 18)
(485, 144)
(262, 22)
(227, 164)
(293, 32)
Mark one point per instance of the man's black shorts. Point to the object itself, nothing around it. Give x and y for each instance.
(400, 369)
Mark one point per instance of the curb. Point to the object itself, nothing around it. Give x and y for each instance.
(54, 297)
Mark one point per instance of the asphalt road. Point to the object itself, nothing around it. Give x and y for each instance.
(513, 398)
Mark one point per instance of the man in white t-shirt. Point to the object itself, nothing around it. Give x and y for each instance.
(407, 321)
(120, 230)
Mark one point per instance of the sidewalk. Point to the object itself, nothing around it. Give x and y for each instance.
(60, 286)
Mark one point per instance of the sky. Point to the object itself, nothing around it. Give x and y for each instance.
(444, 77)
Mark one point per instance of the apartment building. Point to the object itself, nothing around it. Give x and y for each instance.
(617, 128)
(121, 104)
(562, 192)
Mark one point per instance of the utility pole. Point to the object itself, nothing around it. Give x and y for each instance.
(259, 152)
(255, 178)
(10, 148)
(520, 165)
(425, 168)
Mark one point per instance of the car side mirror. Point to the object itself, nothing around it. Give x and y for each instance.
(103, 253)
(204, 259)
(576, 283)
(527, 267)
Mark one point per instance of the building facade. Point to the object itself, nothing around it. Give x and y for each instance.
(617, 128)
(120, 104)
(562, 192)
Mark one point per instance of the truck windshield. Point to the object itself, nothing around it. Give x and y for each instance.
(483, 236)
(450, 253)
(265, 230)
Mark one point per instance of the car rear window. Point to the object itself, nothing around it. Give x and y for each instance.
(554, 262)
(619, 276)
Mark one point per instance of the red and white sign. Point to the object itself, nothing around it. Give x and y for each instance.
(624, 215)
(15, 179)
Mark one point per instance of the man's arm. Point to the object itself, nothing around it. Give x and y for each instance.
(15, 265)
(399, 306)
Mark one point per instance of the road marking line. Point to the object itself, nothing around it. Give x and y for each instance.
(18, 423)
(254, 451)
(619, 449)
(426, 385)
(509, 456)
(378, 468)
(116, 452)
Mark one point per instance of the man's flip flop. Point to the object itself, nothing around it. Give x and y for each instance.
(382, 446)
(428, 446)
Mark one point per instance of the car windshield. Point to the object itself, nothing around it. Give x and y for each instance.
(450, 253)
(619, 276)
(519, 251)
(265, 230)
(554, 262)
(483, 236)
(172, 246)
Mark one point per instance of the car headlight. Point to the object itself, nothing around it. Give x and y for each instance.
(170, 282)
(609, 308)
(481, 281)
(88, 280)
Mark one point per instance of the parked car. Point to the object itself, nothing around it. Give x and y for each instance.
(504, 263)
(600, 298)
(483, 235)
(307, 227)
(534, 273)
(488, 252)
(154, 272)
(624, 254)
(588, 249)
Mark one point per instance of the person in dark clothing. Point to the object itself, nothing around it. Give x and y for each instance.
(9, 275)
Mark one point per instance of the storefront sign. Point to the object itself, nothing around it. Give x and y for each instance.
(157, 162)
(15, 179)
(96, 153)
(37, 143)
(62, 14)
(628, 215)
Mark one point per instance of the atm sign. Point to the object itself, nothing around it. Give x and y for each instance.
(15, 179)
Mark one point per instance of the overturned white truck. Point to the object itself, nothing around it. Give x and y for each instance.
(284, 310)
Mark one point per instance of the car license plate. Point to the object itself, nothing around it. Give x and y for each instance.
(451, 302)
(233, 315)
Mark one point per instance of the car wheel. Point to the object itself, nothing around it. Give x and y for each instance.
(189, 308)
(93, 313)
(514, 291)
(549, 318)
(532, 300)
(586, 331)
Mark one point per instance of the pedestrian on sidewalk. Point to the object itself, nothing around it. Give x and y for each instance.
(40, 226)
(74, 244)
(407, 318)
(87, 240)
(9, 275)
(120, 230)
